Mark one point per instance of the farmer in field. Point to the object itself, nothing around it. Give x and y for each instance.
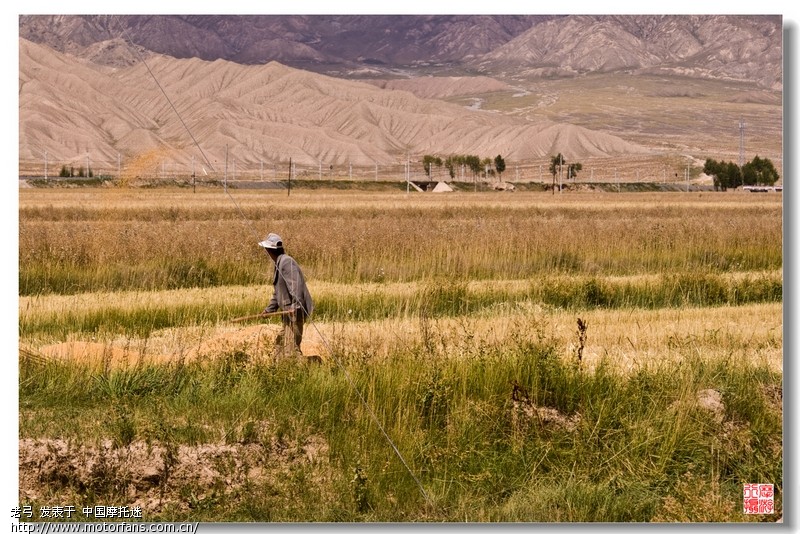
(290, 295)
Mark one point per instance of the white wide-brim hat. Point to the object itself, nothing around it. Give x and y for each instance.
(273, 241)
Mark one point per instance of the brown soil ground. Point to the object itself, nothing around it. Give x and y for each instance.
(155, 477)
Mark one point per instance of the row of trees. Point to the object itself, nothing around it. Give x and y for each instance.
(758, 171)
(70, 172)
(558, 164)
(489, 167)
(478, 167)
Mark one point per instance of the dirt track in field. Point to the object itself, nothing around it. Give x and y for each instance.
(257, 341)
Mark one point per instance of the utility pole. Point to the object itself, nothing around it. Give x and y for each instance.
(194, 182)
(560, 174)
(405, 170)
(687, 177)
(741, 143)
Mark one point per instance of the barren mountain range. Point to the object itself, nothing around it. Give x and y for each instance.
(297, 40)
(97, 84)
(262, 112)
(723, 47)
(740, 47)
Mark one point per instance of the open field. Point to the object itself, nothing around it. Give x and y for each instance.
(74, 241)
(451, 320)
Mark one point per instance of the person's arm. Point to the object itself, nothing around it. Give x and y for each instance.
(273, 304)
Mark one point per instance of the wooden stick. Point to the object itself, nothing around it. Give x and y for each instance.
(260, 316)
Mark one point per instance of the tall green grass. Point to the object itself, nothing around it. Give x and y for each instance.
(638, 439)
(441, 298)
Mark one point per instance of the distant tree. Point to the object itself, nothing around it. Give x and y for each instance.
(499, 165)
(712, 168)
(759, 171)
(65, 173)
(429, 161)
(733, 174)
(80, 172)
(572, 170)
(486, 167)
(474, 164)
(556, 163)
(724, 173)
(450, 164)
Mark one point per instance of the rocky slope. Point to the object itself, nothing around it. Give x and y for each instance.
(71, 107)
(741, 47)
(723, 47)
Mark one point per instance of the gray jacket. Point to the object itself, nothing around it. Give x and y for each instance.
(290, 291)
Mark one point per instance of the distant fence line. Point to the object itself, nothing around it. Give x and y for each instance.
(628, 169)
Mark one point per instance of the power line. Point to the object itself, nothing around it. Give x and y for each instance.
(163, 92)
(302, 307)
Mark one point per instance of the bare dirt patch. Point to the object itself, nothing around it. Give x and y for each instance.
(711, 401)
(524, 414)
(157, 476)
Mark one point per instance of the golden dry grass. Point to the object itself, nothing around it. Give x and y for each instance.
(127, 200)
(131, 224)
(627, 339)
(175, 346)
(362, 237)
